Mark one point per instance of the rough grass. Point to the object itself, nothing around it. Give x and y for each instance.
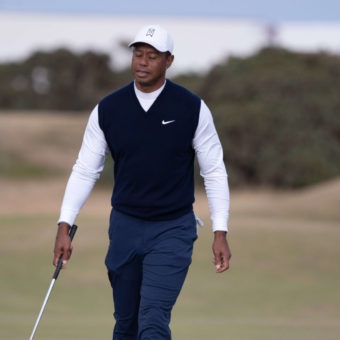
(46, 141)
(13, 166)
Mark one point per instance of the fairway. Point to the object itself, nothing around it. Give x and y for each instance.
(283, 282)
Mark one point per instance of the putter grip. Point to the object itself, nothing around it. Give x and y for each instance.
(73, 230)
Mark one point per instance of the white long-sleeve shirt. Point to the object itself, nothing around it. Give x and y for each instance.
(94, 150)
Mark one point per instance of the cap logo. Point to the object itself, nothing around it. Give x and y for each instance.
(150, 32)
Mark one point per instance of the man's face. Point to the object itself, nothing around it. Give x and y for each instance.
(149, 67)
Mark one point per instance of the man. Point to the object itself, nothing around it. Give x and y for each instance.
(152, 128)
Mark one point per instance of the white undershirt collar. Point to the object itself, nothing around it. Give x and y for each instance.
(147, 99)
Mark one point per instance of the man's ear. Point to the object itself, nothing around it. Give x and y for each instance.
(169, 60)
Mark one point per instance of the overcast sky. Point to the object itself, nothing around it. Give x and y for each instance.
(274, 11)
(225, 27)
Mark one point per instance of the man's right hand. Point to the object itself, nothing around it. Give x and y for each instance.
(62, 244)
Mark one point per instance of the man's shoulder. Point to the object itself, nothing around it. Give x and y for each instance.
(122, 92)
(181, 89)
(183, 96)
(111, 102)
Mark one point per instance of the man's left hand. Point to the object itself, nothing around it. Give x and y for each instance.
(221, 251)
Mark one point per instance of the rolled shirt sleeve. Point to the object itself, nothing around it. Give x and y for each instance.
(209, 154)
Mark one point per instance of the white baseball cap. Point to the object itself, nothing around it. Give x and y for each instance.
(155, 36)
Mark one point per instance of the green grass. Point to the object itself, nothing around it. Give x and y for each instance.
(283, 283)
(15, 166)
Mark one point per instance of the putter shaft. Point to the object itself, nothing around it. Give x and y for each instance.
(42, 308)
(73, 230)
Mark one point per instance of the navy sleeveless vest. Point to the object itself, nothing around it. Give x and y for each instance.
(152, 151)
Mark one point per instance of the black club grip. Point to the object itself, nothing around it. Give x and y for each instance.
(72, 231)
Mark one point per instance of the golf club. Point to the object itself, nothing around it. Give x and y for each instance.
(73, 230)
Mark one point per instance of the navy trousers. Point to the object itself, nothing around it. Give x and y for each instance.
(147, 263)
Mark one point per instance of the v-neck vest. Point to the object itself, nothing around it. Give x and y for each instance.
(152, 151)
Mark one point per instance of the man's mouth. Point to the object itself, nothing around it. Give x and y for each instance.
(141, 73)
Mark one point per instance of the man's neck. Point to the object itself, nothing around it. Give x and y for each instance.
(150, 88)
(145, 95)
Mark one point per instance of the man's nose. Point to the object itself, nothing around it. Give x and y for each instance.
(143, 60)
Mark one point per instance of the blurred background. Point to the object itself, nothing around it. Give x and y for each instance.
(270, 73)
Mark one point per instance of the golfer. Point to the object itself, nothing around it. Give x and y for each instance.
(152, 128)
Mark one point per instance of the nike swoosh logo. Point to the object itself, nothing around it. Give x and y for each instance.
(167, 122)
